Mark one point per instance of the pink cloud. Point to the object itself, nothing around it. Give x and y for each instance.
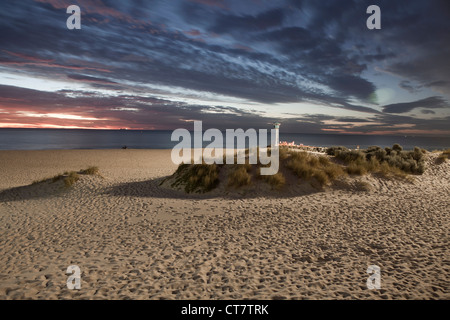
(95, 7)
(239, 46)
(193, 32)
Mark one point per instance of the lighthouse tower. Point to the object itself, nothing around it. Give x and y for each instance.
(276, 125)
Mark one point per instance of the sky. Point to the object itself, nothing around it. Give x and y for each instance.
(312, 65)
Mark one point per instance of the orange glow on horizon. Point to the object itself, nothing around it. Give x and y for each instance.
(55, 126)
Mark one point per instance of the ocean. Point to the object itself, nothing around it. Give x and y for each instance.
(45, 139)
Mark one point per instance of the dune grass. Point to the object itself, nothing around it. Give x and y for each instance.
(363, 186)
(69, 177)
(276, 181)
(90, 171)
(197, 177)
(310, 167)
(239, 176)
(443, 157)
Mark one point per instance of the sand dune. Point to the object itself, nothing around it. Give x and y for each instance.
(133, 239)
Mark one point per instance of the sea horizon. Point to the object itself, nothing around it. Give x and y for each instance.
(63, 138)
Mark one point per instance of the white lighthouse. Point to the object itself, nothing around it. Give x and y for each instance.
(276, 125)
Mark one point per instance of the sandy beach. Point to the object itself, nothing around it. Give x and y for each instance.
(133, 239)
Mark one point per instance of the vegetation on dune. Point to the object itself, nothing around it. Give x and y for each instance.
(307, 166)
(69, 177)
(276, 181)
(203, 178)
(388, 161)
(444, 156)
(239, 176)
(320, 170)
(363, 186)
(197, 177)
(90, 171)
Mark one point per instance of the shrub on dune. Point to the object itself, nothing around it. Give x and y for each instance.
(324, 161)
(397, 147)
(352, 155)
(443, 157)
(276, 181)
(365, 161)
(197, 177)
(71, 179)
(300, 166)
(307, 166)
(356, 168)
(333, 150)
(321, 177)
(284, 153)
(334, 171)
(239, 176)
(90, 171)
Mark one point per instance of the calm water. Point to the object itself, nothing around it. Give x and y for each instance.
(40, 139)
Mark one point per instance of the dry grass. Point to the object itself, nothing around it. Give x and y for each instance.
(309, 167)
(363, 186)
(40, 181)
(69, 177)
(239, 176)
(276, 181)
(362, 167)
(356, 168)
(443, 157)
(284, 153)
(90, 171)
(197, 177)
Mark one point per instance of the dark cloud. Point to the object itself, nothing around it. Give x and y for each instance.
(352, 120)
(408, 86)
(430, 103)
(351, 86)
(261, 52)
(291, 39)
(424, 34)
(212, 3)
(212, 68)
(226, 23)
